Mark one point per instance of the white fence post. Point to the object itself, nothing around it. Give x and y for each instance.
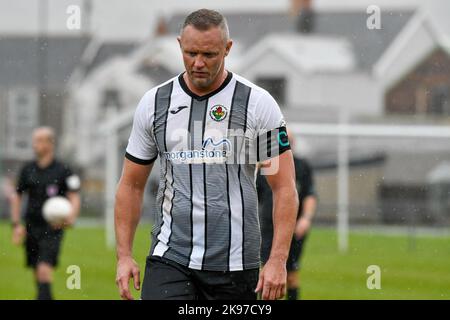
(111, 178)
(343, 185)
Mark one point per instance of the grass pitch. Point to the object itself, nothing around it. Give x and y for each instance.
(422, 273)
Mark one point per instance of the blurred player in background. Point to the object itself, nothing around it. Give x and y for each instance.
(40, 179)
(307, 208)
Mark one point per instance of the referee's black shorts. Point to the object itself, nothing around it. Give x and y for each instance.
(168, 280)
(42, 244)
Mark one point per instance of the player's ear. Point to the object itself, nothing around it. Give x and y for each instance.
(228, 46)
(179, 41)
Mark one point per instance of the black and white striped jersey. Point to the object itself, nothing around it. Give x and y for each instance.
(206, 216)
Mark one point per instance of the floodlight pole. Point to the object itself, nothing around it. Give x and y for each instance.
(110, 130)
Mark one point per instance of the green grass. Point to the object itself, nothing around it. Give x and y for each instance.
(84, 247)
(422, 273)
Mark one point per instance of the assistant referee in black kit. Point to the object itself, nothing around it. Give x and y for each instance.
(40, 179)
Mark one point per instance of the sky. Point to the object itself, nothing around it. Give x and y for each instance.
(135, 19)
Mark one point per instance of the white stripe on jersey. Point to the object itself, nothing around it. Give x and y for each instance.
(236, 222)
(165, 233)
(160, 249)
(198, 221)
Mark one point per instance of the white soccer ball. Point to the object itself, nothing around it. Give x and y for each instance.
(56, 209)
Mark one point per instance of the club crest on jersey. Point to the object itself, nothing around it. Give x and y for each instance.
(218, 112)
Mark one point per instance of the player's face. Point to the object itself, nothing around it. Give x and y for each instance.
(42, 144)
(204, 55)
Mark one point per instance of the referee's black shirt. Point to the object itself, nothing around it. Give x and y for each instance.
(42, 183)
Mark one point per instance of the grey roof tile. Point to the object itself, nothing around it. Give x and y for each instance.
(24, 61)
(110, 49)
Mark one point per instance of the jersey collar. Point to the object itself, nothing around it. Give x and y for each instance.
(206, 96)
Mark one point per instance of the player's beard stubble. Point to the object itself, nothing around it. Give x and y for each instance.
(204, 79)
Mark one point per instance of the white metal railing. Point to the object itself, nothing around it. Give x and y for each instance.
(341, 130)
(345, 130)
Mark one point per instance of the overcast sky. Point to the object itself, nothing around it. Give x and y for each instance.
(134, 19)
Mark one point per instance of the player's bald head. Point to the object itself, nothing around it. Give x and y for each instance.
(205, 19)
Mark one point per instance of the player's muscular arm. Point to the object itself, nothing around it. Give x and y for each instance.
(127, 213)
(128, 204)
(285, 206)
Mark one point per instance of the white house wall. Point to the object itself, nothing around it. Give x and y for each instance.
(87, 100)
(358, 93)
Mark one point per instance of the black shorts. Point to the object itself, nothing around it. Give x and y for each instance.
(168, 280)
(42, 244)
(295, 253)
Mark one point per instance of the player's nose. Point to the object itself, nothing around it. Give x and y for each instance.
(199, 63)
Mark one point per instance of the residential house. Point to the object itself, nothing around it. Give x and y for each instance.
(34, 73)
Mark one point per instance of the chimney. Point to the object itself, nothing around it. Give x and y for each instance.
(304, 13)
(87, 15)
(161, 27)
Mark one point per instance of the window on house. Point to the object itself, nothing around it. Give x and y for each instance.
(111, 98)
(23, 123)
(22, 111)
(440, 100)
(23, 116)
(276, 87)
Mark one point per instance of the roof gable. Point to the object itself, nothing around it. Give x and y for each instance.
(249, 28)
(306, 53)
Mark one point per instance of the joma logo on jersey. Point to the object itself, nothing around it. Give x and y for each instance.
(218, 112)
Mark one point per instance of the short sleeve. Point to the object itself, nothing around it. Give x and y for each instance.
(268, 114)
(141, 146)
(72, 181)
(22, 185)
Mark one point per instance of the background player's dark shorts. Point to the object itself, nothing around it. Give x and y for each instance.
(42, 244)
(295, 253)
(168, 280)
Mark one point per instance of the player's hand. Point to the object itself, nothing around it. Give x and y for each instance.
(127, 268)
(59, 225)
(18, 234)
(70, 221)
(302, 227)
(272, 279)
